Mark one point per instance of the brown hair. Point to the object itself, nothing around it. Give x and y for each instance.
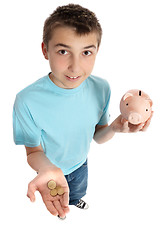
(73, 15)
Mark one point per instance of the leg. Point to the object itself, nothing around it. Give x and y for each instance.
(77, 182)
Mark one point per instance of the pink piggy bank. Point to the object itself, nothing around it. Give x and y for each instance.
(136, 107)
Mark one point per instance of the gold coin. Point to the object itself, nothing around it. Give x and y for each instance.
(51, 184)
(60, 190)
(53, 192)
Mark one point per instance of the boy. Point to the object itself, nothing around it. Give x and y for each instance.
(57, 116)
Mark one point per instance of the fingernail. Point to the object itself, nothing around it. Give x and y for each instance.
(32, 199)
(61, 218)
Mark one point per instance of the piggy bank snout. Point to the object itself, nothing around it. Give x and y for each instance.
(134, 118)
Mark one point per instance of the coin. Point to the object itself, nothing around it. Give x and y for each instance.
(51, 184)
(53, 192)
(60, 190)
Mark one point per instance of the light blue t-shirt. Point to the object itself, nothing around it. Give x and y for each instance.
(62, 120)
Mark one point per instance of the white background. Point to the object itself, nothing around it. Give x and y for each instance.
(127, 190)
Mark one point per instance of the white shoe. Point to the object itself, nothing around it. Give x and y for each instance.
(82, 205)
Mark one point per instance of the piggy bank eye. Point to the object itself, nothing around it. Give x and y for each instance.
(146, 110)
(127, 104)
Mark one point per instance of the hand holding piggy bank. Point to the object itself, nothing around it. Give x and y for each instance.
(136, 107)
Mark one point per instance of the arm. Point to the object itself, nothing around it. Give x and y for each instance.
(37, 159)
(105, 132)
(47, 171)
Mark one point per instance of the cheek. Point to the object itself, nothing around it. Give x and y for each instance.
(88, 65)
(58, 64)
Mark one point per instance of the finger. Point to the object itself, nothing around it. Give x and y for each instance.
(31, 191)
(123, 120)
(152, 113)
(149, 120)
(59, 208)
(139, 127)
(125, 126)
(66, 209)
(65, 201)
(50, 207)
(147, 123)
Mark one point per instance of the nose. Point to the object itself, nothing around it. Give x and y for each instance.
(74, 65)
(134, 118)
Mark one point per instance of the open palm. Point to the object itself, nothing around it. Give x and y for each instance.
(57, 205)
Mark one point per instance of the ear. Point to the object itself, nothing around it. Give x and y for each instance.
(150, 101)
(127, 95)
(44, 50)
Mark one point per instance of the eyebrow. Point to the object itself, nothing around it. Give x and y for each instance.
(61, 45)
(67, 46)
(90, 46)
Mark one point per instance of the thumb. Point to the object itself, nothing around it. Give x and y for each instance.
(125, 126)
(123, 120)
(31, 191)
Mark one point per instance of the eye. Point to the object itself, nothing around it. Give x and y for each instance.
(63, 52)
(127, 104)
(87, 53)
(146, 110)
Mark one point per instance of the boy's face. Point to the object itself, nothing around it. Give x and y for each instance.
(71, 56)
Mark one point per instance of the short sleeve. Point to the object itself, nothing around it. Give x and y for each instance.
(105, 115)
(25, 130)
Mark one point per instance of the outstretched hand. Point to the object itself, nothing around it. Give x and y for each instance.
(122, 125)
(147, 123)
(57, 205)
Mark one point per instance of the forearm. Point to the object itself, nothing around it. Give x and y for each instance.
(38, 161)
(104, 134)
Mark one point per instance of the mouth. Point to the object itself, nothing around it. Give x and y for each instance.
(72, 79)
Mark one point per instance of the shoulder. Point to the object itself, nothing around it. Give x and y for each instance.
(99, 84)
(32, 89)
(98, 80)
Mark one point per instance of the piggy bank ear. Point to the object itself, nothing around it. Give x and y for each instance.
(127, 95)
(150, 101)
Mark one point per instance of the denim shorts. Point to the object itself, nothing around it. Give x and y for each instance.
(77, 182)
